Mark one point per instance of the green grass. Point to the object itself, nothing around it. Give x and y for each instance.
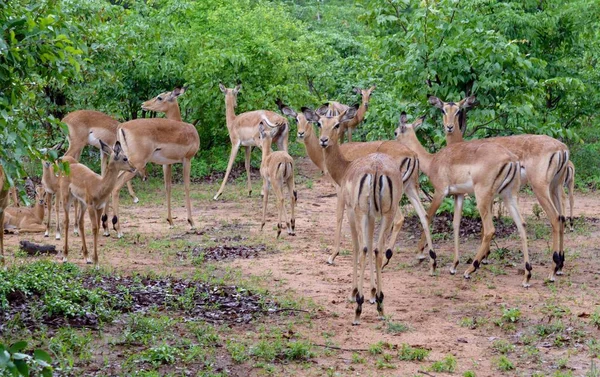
(446, 365)
(504, 364)
(396, 327)
(408, 353)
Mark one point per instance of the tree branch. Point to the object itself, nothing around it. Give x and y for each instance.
(398, 16)
(449, 23)
(483, 126)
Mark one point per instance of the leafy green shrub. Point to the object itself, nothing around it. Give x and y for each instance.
(298, 350)
(504, 364)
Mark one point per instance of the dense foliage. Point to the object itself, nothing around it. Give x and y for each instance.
(531, 63)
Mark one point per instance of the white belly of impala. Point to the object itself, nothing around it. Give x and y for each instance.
(161, 159)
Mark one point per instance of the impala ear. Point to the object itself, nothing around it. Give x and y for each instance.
(468, 102)
(286, 110)
(261, 130)
(403, 119)
(323, 109)
(349, 113)
(105, 148)
(177, 92)
(222, 88)
(310, 115)
(434, 101)
(356, 90)
(418, 122)
(237, 88)
(372, 88)
(117, 149)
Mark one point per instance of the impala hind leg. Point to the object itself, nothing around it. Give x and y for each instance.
(543, 196)
(484, 200)
(355, 256)
(80, 223)
(265, 200)
(458, 206)
(187, 167)
(293, 197)
(247, 156)
(513, 208)
(234, 150)
(557, 192)
(413, 196)
(124, 177)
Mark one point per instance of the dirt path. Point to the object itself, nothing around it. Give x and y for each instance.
(444, 314)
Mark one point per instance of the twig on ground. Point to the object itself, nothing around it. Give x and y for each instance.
(340, 348)
(425, 373)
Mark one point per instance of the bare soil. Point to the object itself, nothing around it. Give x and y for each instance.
(445, 314)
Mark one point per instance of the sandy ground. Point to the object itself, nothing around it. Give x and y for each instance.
(445, 314)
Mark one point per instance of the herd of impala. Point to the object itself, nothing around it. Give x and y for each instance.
(370, 177)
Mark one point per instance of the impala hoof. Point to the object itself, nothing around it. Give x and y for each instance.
(119, 235)
(330, 261)
(421, 256)
(355, 323)
(106, 234)
(372, 300)
(560, 273)
(526, 285)
(136, 200)
(452, 271)
(46, 234)
(57, 236)
(467, 276)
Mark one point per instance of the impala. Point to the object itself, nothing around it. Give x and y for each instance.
(243, 132)
(161, 141)
(277, 170)
(92, 191)
(471, 168)
(336, 108)
(370, 187)
(352, 151)
(569, 184)
(543, 161)
(25, 219)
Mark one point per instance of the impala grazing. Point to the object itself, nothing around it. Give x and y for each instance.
(25, 219)
(243, 132)
(471, 168)
(277, 171)
(543, 162)
(353, 151)
(161, 141)
(370, 187)
(92, 191)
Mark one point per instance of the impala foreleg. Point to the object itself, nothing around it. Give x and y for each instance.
(167, 170)
(355, 256)
(293, 198)
(124, 177)
(413, 197)
(81, 222)
(234, 150)
(339, 218)
(48, 198)
(396, 226)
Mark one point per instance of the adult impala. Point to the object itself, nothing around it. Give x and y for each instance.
(243, 131)
(544, 165)
(471, 168)
(352, 151)
(336, 108)
(161, 141)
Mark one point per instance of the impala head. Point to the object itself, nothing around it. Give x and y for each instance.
(304, 125)
(405, 133)
(451, 111)
(329, 126)
(230, 94)
(40, 195)
(163, 102)
(365, 94)
(117, 155)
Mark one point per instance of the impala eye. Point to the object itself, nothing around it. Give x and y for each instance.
(336, 126)
(319, 124)
(159, 98)
(125, 159)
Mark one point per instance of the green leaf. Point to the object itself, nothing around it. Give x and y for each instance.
(22, 367)
(42, 355)
(18, 346)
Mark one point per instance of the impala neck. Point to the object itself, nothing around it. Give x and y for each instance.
(173, 113)
(39, 210)
(335, 161)
(360, 113)
(454, 137)
(266, 149)
(108, 181)
(230, 103)
(313, 149)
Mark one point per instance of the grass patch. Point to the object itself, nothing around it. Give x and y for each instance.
(408, 353)
(446, 365)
